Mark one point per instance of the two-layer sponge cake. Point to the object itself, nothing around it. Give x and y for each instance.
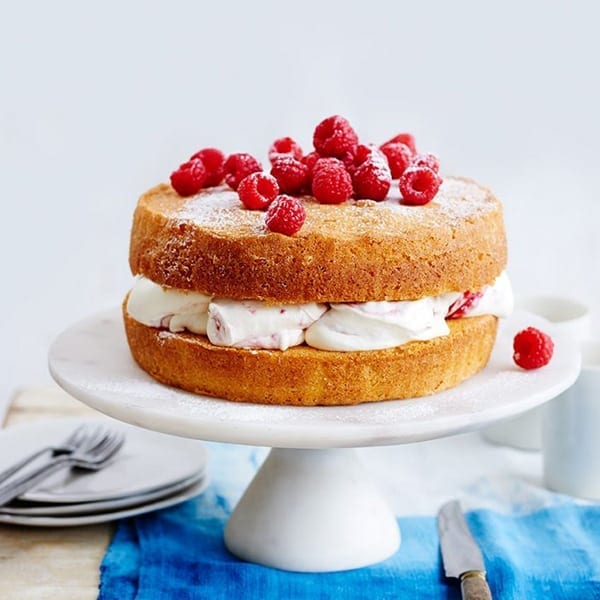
(368, 300)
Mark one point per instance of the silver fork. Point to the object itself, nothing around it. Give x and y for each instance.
(83, 436)
(91, 457)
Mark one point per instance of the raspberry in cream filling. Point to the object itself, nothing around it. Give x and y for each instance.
(335, 327)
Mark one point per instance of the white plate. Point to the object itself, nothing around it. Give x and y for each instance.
(72, 521)
(87, 508)
(91, 360)
(148, 461)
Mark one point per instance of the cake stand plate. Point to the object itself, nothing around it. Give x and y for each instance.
(311, 506)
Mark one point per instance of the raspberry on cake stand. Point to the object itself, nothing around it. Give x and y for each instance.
(311, 506)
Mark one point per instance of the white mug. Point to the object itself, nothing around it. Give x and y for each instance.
(571, 432)
(569, 318)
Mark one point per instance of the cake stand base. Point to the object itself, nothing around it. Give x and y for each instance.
(311, 507)
(312, 510)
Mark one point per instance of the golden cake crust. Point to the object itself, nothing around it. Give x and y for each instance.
(305, 376)
(353, 252)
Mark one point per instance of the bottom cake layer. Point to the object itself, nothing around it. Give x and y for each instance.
(305, 376)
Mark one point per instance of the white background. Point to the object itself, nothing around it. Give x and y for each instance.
(100, 101)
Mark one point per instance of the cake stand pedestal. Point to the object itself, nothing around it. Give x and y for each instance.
(312, 510)
(311, 506)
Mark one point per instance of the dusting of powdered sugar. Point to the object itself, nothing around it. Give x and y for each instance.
(456, 201)
(220, 210)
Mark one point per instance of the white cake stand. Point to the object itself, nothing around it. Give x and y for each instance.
(311, 506)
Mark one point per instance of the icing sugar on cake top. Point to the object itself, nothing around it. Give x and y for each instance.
(219, 209)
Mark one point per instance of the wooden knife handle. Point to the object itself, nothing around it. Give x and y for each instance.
(474, 586)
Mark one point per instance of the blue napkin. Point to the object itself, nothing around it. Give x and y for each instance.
(179, 553)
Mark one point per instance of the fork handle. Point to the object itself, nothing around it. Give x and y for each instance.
(24, 483)
(7, 473)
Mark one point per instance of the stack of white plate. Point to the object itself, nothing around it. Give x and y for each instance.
(151, 471)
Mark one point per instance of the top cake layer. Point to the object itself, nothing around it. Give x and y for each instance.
(353, 252)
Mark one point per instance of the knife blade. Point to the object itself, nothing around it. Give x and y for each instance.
(460, 554)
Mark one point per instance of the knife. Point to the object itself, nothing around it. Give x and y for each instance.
(460, 554)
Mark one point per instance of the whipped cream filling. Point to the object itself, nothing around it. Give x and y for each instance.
(378, 325)
(175, 310)
(235, 323)
(336, 327)
(497, 299)
(254, 324)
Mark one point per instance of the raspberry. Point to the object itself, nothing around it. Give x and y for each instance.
(334, 136)
(404, 138)
(238, 166)
(463, 305)
(532, 348)
(326, 162)
(331, 183)
(372, 179)
(353, 160)
(258, 190)
(418, 185)
(285, 215)
(310, 160)
(285, 145)
(291, 174)
(426, 160)
(213, 160)
(399, 157)
(189, 177)
(349, 160)
(363, 151)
